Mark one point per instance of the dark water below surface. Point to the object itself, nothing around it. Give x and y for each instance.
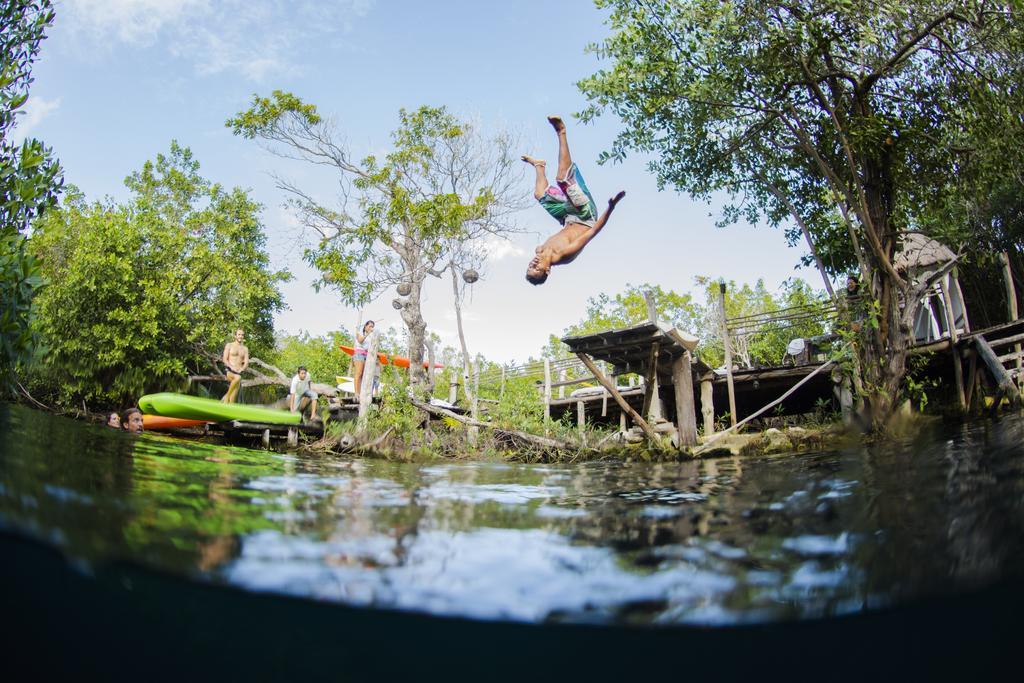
(720, 542)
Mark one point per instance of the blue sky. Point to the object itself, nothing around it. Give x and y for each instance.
(119, 79)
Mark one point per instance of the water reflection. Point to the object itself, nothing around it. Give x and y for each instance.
(714, 542)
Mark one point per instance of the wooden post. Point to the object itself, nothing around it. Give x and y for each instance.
(266, 438)
(547, 393)
(650, 380)
(501, 392)
(728, 354)
(657, 407)
(453, 388)
(958, 369)
(369, 374)
(707, 406)
(604, 398)
(846, 407)
(474, 404)
(1011, 300)
(293, 436)
(639, 421)
(1000, 376)
(561, 378)
(972, 377)
(581, 420)
(686, 419)
(652, 310)
(1011, 291)
(476, 388)
(430, 366)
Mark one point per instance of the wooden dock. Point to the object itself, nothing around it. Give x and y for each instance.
(990, 362)
(266, 432)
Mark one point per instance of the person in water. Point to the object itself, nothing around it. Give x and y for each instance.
(132, 421)
(570, 203)
(301, 393)
(236, 360)
(359, 355)
(114, 420)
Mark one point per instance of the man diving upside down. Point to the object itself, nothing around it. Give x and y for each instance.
(571, 204)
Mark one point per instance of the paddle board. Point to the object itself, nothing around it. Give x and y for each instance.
(159, 422)
(187, 407)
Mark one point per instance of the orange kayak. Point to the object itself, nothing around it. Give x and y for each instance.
(384, 359)
(159, 422)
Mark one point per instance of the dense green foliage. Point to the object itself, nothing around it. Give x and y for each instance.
(520, 407)
(995, 224)
(842, 118)
(141, 293)
(30, 179)
(322, 356)
(798, 312)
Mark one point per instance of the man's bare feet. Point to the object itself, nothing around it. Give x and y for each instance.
(616, 199)
(557, 123)
(533, 162)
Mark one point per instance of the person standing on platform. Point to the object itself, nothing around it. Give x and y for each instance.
(236, 360)
(359, 356)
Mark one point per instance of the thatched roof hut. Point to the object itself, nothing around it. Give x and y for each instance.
(918, 259)
(920, 251)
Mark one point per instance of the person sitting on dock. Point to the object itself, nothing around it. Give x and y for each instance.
(301, 393)
(571, 204)
(236, 360)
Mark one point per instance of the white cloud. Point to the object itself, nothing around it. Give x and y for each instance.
(36, 109)
(496, 248)
(135, 22)
(467, 316)
(254, 38)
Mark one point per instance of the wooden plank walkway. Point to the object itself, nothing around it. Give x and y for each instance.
(755, 388)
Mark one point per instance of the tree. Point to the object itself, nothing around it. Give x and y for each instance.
(30, 180)
(141, 293)
(843, 116)
(401, 218)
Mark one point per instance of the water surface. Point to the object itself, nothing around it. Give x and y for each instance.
(723, 541)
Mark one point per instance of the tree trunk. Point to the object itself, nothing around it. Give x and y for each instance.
(882, 348)
(462, 336)
(417, 327)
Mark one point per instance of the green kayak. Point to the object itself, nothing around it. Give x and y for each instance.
(198, 408)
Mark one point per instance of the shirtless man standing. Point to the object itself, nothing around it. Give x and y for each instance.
(571, 204)
(236, 358)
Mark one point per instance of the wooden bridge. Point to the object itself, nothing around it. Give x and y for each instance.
(972, 365)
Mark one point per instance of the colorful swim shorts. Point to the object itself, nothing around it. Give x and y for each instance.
(558, 205)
